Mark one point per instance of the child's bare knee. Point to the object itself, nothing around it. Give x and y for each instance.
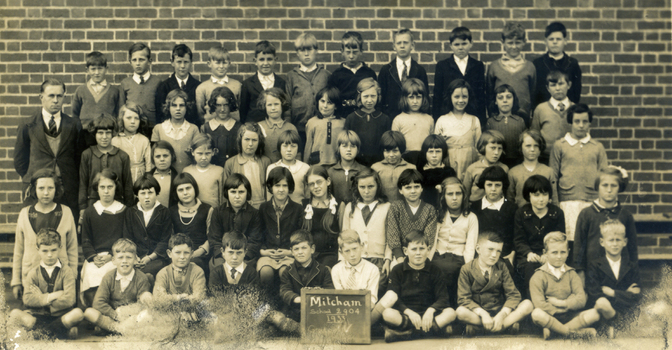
(91, 315)
(602, 304)
(539, 315)
(390, 314)
(526, 306)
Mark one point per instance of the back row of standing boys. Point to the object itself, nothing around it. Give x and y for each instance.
(444, 181)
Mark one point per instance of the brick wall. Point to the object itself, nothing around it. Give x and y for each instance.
(624, 47)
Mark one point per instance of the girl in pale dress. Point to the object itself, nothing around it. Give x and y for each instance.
(209, 177)
(176, 130)
(136, 145)
(460, 130)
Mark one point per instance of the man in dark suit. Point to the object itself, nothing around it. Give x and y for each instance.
(181, 61)
(49, 139)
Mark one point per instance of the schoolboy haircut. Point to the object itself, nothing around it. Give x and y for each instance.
(447, 104)
(199, 140)
(504, 88)
(554, 237)
(163, 144)
(490, 136)
(47, 236)
(554, 77)
(139, 47)
(620, 174)
(555, 27)
(577, 109)
(278, 174)
(181, 50)
(413, 86)
(102, 122)
(494, 173)
(364, 85)
(305, 41)
(489, 236)
(300, 236)
(146, 182)
(96, 59)
(182, 179)
(171, 97)
(460, 33)
(352, 40)
(536, 136)
(234, 240)
(612, 226)
(52, 82)
(234, 181)
(537, 183)
(393, 139)
(443, 206)
(348, 236)
(513, 30)
(414, 236)
(124, 245)
(253, 127)
(289, 137)
(402, 31)
(264, 47)
(409, 176)
(107, 173)
(133, 107)
(218, 53)
(179, 239)
(333, 95)
(275, 92)
(225, 93)
(45, 173)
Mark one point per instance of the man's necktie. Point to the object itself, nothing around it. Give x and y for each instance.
(561, 107)
(233, 274)
(52, 126)
(352, 280)
(404, 73)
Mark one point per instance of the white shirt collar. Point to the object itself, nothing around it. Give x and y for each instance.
(267, 81)
(308, 69)
(555, 102)
(461, 63)
(400, 66)
(359, 267)
(46, 116)
(486, 204)
(124, 281)
(615, 266)
(371, 205)
(222, 81)
(148, 214)
(240, 269)
(488, 270)
(114, 208)
(50, 269)
(354, 70)
(136, 77)
(557, 272)
(572, 141)
(182, 82)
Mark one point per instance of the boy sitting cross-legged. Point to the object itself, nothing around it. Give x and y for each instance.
(557, 293)
(49, 292)
(353, 272)
(418, 292)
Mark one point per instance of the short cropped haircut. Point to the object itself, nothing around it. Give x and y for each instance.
(365, 84)
(300, 236)
(278, 174)
(47, 236)
(218, 53)
(135, 108)
(163, 144)
(225, 93)
(513, 30)
(96, 59)
(46, 173)
(534, 135)
(447, 104)
(182, 179)
(124, 245)
(402, 31)
(495, 174)
(171, 97)
(393, 139)
(352, 40)
(234, 240)
(490, 136)
(413, 86)
(623, 179)
(409, 176)
(500, 89)
(348, 137)
(612, 226)
(414, 236)
(181, 50)
(52, 82)
(179, 239)
(555, 27)
(289, 137)
(199, 140)
(255, 128)
(460, 33)
(305, 41)
(554, 77)
(102, 122)
(146, 182)
(554, 237)
(275, 92)
(578, 108)
(537, 183)
(490, 236)
(333, 94)
(348, 236)
(234, 181)
(107, 173)
(442, 208)
(431, 141)
(264, 47)
(139, 47)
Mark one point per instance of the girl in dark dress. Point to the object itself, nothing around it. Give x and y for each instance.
(434, 167)
(321, 215)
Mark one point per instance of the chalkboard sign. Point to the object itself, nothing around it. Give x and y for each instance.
(342, 315)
